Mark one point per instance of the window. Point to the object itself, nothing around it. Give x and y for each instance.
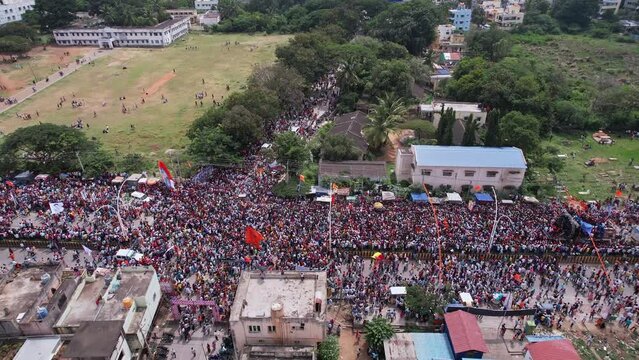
(492, 173)
(426, 172)
(254, 329)
(514, 172)
(447, 172)
(271, 329)
(469, 173)
(301, 326)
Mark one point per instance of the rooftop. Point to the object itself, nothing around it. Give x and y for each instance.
(457, 106)
(160, 26)
(21, 289)
(351, 125)
(418, 346)
(94, 339)
(42, 348)
(469, 156)
(256, 294)
(553, 350)
(368, 169)
(464, 332)
(82, 307)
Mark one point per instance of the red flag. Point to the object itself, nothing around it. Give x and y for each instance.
(166, 175)
(253, 237)
(446, 224)
(618, 193)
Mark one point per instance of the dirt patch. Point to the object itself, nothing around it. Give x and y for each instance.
(159, 83)
(394, 143)
(8, 85)
(599, 160)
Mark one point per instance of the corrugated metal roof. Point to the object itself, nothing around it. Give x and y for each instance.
(464, 332)
(432, 346)
(469, 156)
(553, 350)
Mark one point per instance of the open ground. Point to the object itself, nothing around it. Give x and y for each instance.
(208, 65)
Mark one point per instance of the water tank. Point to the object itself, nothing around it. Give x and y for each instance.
(41, 313)
(277, 311)
(127, 302)
(45, 278)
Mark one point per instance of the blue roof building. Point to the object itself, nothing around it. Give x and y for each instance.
(462, 167)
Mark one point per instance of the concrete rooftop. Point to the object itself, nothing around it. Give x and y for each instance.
(255, 295)
(21, 289)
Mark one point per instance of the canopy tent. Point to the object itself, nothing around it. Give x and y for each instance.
(324, 199)
(42, 177)
(388, 196)
(398, 290)
(531, 199)
(466, 298)
(453, 197)
(419, 197)
(117, 180)
(436, 200)
(318, 190)
(507, 202)
(142, 181)
(484, 197)
(351, 198)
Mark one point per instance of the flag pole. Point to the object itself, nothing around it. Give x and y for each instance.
(330, 223)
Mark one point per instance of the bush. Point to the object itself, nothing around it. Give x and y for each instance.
(291, 189)
(328, 349)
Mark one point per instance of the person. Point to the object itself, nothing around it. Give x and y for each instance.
(502, 330)
(193, 352)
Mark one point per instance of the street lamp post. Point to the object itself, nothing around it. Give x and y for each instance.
(492, 234)
(123, 229)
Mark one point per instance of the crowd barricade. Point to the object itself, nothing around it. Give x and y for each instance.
(38, 243)
(566, 259)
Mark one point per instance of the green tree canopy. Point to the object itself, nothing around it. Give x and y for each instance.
(378, 330)
(19, 29)
(261, 102)
(492, 44)
(53, 14)
(328, 349)
(45, 148)
(521, 131)
(575, 13)
(471, 126)
(410, 23)
(384, 117)
(212, 146)
(492, 129)
(338, 148)
(134, 163)
(243, 126)
(291, 151)
(424, 304)
(288, 85)
(13, 44)
(445, 127)
(308, 54)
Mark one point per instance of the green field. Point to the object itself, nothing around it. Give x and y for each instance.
(601, 178)
(158, 126)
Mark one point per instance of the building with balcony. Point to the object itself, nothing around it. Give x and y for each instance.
(12, 10)
(160, 35)
(461, 167)
(278, 315)
(460, 17)
(508, 19)
(609, 5)
(180, 13)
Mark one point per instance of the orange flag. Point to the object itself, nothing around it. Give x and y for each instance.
(302, 178)
(253, 237)
(618, 193)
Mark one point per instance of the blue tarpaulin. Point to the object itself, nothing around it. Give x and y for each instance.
(419, 197)
(586, 228)
(483, 197)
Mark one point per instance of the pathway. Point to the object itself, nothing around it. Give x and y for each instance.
(28, 92)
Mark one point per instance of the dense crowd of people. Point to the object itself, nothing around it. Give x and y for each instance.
(194, 235)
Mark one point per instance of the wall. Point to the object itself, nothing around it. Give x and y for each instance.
(459, 178)
(121, 348)
(288, 334)
(479, 116)
(13, 12)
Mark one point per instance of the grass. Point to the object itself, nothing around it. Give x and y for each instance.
(158, 126)
(583, 58)
(601, 178)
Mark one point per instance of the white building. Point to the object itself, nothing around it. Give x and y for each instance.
(131, 296)
(279, 314)
(211, 17)
(631, 5)
(461, 167)
(462, 110)
(606, 5)
(445, 32)
(180, 13)
(509, 18)
(160, 35)
(204, 5)
(12, 10)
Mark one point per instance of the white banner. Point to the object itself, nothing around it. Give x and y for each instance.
(56, 208)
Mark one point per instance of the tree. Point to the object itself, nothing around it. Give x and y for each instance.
(492, 44)
(243, 126)
(291, 151)
(424, 304)
(53, 14)
(328, 349)
(213, 146)
(470, 131)
(492, 129)
(129, 12)
(134, 163)
(309, 54)
(229, 8)
(286, 83)
(384, 118)
(573, 14)
(96, 163)
(45, 148)
(521, 131)
(392, 76)
(260, 102)
(211, 118)
(338, 148)
(445, 127)
(410, 23)
(19, 29)
(378, 330)
(15, 44)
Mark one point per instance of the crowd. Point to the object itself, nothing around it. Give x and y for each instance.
(194, 235)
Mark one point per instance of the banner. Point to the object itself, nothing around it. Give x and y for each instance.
(166, 175)
(56, 208)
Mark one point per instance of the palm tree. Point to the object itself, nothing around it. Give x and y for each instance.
(348, 78)
(384, 118)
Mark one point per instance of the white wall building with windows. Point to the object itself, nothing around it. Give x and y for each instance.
(279, 313)
(205, 5)
(160, 35)
(12, 10)
(461, 167)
